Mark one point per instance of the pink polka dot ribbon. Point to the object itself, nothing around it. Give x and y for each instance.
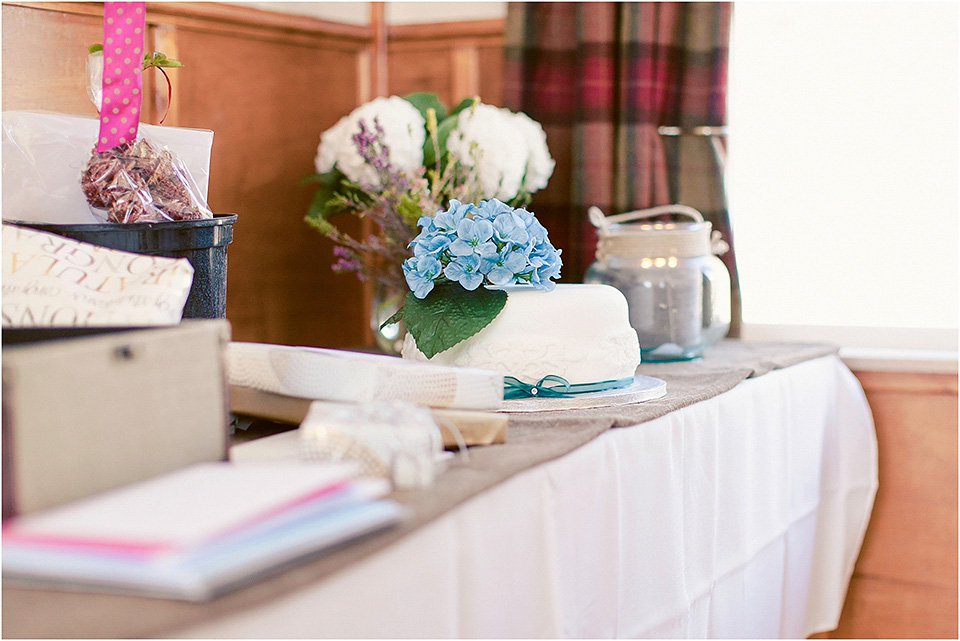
(124, 24)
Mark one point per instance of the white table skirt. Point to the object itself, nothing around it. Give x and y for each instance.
(740, 516)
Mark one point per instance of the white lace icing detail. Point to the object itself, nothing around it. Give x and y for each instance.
(531, 358)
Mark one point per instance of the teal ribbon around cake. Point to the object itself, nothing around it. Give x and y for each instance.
(553, 386)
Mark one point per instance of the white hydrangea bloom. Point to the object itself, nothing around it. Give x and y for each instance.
(501, 156)
(404, 132)
(540, 164)
(512, 151)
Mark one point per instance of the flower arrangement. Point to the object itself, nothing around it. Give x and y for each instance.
(394, 161)
(458, 250)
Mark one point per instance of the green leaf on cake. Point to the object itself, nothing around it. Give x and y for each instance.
(450, 314)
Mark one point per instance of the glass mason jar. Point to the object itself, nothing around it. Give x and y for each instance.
(677, 290)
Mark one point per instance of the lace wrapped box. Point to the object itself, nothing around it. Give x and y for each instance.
(338, 375)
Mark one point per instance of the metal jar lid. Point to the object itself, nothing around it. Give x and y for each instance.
(622, 236)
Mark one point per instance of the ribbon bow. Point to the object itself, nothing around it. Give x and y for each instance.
(553, 386)
(550, 386)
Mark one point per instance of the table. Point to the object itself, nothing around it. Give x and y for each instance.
(739, 515)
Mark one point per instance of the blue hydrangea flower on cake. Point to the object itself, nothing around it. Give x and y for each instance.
(487, 243)
(462, 259)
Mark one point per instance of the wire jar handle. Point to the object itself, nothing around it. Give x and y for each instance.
(600, 221)
(688, 243)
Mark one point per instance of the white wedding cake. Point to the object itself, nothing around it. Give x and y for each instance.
(581, 333)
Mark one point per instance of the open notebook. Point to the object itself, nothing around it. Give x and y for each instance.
(196, 532)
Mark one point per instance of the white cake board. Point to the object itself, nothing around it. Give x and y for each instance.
(643, 388)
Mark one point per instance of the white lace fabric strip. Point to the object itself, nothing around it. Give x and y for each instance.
(339, 375)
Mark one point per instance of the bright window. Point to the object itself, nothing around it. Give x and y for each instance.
(843, 168)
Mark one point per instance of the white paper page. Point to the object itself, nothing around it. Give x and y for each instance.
(185, 507)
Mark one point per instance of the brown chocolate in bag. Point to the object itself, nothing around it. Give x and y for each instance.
(136, 182)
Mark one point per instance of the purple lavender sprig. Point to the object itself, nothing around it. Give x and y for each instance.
(349, 261)
(393, 207)
(372, 147)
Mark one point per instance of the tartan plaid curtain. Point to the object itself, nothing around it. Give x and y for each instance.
(604, 79)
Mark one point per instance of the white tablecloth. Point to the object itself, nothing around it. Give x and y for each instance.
(740, 516)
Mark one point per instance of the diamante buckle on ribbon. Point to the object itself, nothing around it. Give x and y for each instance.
(553, 386)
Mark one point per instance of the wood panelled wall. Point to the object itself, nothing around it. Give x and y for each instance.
(905, 581)
(267, 84)
(456, 60)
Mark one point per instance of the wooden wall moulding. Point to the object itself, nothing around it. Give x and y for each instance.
(443, 35)
(454, 60)
(213, 13)
(217, 17)
(94, 9)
